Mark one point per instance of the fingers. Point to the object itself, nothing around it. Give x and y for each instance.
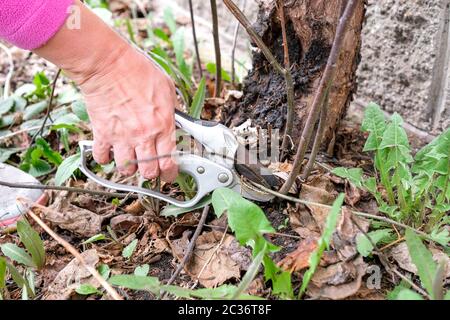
(123, 155)
(144, 152)
(166, 145)
(101, 152)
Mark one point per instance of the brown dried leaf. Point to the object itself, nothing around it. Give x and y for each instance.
(125, 222)
(299, 258)
(401, 255)
(72, 276)
(338, 281)
(227, 263)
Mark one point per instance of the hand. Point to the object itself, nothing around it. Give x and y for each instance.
(129, 100)
(131, 106)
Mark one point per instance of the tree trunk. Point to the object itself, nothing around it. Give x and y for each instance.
(310, 28)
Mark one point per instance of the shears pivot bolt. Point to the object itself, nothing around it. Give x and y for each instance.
(223, 177)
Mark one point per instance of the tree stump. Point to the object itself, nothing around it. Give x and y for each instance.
(310, 28)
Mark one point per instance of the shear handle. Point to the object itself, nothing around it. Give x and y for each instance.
(208, 176)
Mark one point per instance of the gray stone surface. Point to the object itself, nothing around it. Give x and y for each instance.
(401, 42)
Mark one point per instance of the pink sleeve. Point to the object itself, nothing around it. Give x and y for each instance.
(29, 24)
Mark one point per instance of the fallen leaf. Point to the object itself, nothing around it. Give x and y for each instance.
(227, 263)
(352, 194)
(125, 222)
(135, 208)
(401, 255)
(72, 218)
(72, 276)
(337, 281)
(299, 258)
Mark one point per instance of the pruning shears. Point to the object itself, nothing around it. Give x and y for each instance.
(217, 167)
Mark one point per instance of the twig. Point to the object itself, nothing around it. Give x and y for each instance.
(233, 50)
(287, 64)
(61, 188)
(191, 246)
(113, 293)
(358, 213)
(319, 98)
(318, 139)
(7, 86)
(273, 61)
(215, 24)
(194, 35)
(15, 133)
(49, 107)
(385, 261)
(210, 257)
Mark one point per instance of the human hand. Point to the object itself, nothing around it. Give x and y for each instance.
(129, 100)
(131, 106)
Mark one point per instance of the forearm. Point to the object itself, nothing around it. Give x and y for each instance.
(86, 49)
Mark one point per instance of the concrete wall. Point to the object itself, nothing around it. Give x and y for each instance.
(404, 64)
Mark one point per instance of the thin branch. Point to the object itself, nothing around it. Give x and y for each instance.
(194, 35)
(318, 139)
(233, 50)
(7, 86)
(358, 213)
(287, 64)
(49, 107)
(61, 188)
(191, 246)
(111, 291)
(275, 64)
(319, 98)
(385, 261)
(215, 23)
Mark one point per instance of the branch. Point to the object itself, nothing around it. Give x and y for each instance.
(113, 293)
(318, 139)
(215, 23)
(275, 64)
(49, 107)
(194, 35)
(319, 98)
(7, 86)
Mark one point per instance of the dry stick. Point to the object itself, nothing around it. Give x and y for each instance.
(49, 107)
(191, 246)
(358, 213)
(215, 24)
(318, 139)
(194, 35)
(319, 98)
(385, 261)
(273, 61)
(7, 85)
(290, 93)
(113, 293)
(233, 50)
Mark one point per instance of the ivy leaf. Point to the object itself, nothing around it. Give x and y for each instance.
(34, 110)
(33, 242)
(354, 175)
(51, 155)
(364, 246)
(79, 108)
(67, 168)
(6, 105)
(374, 123)
(87, 289)
(2, 272)
(5, 153)
(142, 270)
(422, 259)
(97, 237)
(17, 254)
(104, 271)
(129, 249)
(174, 211)
(136, 282)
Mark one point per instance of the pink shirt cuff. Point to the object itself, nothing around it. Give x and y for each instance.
(29, 24)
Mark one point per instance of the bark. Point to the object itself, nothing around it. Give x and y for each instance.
(310, 26)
